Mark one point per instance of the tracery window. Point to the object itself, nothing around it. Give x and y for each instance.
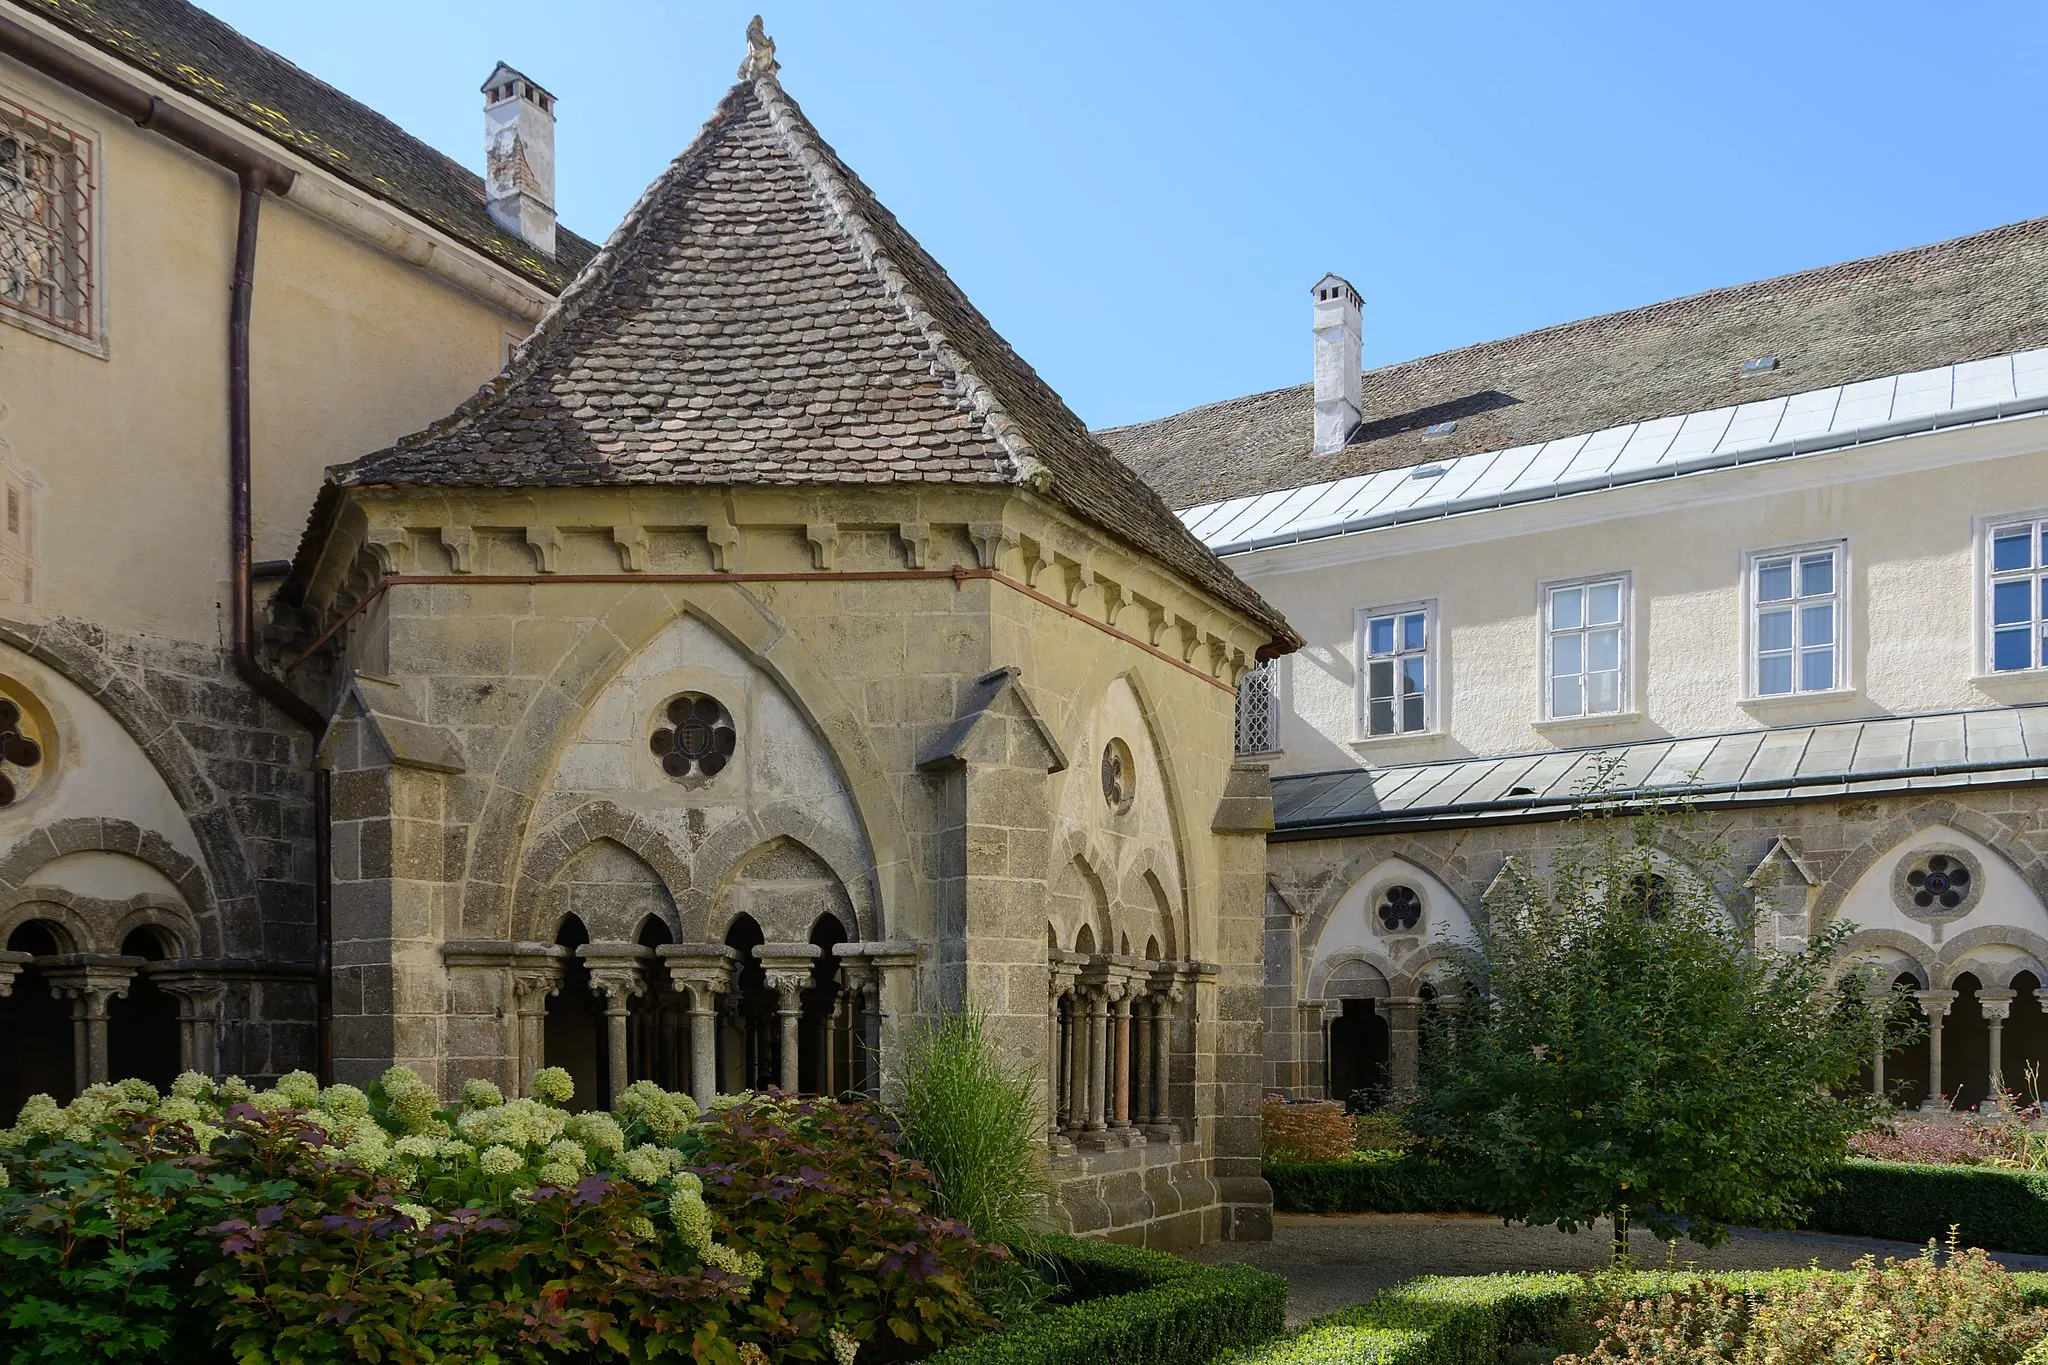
(696, 737)
(1119, 776)
(46, 222)
(1400, 908)
(21, 753)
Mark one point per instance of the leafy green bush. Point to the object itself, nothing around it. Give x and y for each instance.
(817, 1191)
(2000, 1210)
(1433, 1321)
(1133, 1307)
(1372, 1182)
(973, 1120)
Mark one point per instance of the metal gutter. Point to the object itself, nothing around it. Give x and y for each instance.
(1507, 808)
(1973, 415)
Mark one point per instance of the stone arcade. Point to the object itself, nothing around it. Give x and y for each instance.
(768, 660)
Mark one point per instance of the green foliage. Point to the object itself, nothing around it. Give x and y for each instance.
(2001, 1210)
(1959, 1310)
(1372, 1182)
(1132, 1307)
(1432, 1321)
(837, 1217)
(1624, 1048)
(973, 1119)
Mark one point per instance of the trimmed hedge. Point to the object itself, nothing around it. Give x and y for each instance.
(1379, 1182)
(1467, 1320)
(1994, 1209)
(1134, 1307)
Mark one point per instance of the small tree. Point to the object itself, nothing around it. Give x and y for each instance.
(1623, 1048)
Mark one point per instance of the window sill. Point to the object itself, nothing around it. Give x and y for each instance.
(1258, 755)
(1415, 737)
(2021, 682)
(1566, 724)
(1792, 701)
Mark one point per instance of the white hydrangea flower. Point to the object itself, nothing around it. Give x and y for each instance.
(369, 1148)
(345, 1100)
(453, 1149)
(500, 1160)
(478, 1093)
(299, 1089)
(845, 1346)
(413, 1106)
(191, 1085)
(400, 1078)
(690, 1181)
(599, 1132)
(692, 1219)
(557, 1173)
(417, 1147)
(639, 1226)
(552, 1083)
(566, 1153)
(645, 1164)
(746, 1265)
(422, 1217)
(235, 1090)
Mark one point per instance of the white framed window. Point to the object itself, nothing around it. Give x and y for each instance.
(49, 263)
(2016, 581)
(1795, 621)
(1586, 647)
(1397, 670)
(1258, 709)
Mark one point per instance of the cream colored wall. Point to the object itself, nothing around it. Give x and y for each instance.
(1907, 510)
(351, 349)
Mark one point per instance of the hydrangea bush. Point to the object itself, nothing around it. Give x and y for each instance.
(305, 1224)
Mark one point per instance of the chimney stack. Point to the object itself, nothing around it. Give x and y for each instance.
(1340, 390)
(519, 158)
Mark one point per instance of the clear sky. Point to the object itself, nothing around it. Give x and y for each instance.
(1140, 195)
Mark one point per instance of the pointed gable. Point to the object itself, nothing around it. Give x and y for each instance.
(759, 318)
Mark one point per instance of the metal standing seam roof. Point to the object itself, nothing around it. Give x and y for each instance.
(1796, 424)
(2001, 745)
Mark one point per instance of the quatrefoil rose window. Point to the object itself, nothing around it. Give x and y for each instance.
(21, 753)
(695, 737)
(1119, 776)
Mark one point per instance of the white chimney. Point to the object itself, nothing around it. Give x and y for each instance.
(1340, 391)
(519, 158)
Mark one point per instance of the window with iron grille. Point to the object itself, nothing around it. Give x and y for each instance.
(46, 216)
(1258, 709)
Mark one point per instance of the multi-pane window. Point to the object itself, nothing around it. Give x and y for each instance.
(2019, 596)
(1795, 621)
(1396, 649)
(1586, 640)
(1258, 709)
(46, 187)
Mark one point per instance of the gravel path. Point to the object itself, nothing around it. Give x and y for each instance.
(1331, 1261)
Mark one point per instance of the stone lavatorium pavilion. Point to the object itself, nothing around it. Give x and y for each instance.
(767, 660)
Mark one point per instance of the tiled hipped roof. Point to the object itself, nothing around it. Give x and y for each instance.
(1961, 300)
(759, 318)
(192, 51)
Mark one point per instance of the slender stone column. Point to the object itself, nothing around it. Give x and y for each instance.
(90, 984)
(615, 973)
(1159, 1119)
(531, 987)
(1935, 1005)
(703, 971)
(1404, 1030)
(1060, 976)
(198, 1018)
(789, 990)
(1098, 1081)
(1120, 1058)
(1996, 1006)
(1876, 1000)
(1141, 1058)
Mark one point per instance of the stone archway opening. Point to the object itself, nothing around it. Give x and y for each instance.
(1966, 1045)
(573, 1035)
(2025, 1059)
(142, 1025)
(750, 1051)
(1906, 1064)
(1360, 1054)
(658, 1021)
(35, 1025)
(825, 1052)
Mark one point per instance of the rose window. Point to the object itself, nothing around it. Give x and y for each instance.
(696, 737)
(1119, 779)
(20, 754)
(1400, 908)
(1938, 881)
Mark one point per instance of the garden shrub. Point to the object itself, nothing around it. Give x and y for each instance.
(1464, 1320)
(1997, 1209)
(1128, 1306)
(1371, 1182)
(299, 1224)
(1305, 1130)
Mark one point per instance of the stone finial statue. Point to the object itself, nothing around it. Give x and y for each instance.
(760, 53)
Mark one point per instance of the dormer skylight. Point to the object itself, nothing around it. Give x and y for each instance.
(1761, 365)
(1440, 429)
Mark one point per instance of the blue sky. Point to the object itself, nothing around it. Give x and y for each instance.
(1140, 195)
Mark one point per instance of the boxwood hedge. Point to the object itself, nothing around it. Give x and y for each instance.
(1994, 1209)
(1133, 1306)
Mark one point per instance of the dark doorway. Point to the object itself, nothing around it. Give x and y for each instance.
(142, 1026)
(1358, 1052)
(1905, 1065)
(35, 1028)
(822, 1056)
(1966, 1047)
(573, 1035)
(658, 1043)
(2024, 1049)
(750, 1052)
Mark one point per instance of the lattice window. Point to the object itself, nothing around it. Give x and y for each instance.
(46, 211)
(1258, 710)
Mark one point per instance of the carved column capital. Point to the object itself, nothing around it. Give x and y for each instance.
(1936, 1004)
(90, 983)
(10, 967)
(1996, 1004)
